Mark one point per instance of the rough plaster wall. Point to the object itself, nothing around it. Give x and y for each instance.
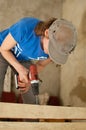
(13, 10)
(73, 73)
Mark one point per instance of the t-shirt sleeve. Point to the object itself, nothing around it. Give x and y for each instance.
(18, 31)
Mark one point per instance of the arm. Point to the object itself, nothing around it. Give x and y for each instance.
(41, 64)
(6, 46)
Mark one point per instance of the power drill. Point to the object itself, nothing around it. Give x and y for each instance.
(33, 77)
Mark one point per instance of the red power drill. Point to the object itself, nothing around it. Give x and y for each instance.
(33, 77)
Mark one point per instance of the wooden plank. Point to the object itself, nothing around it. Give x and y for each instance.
(41, 126)
(7, 81)
(13, 110)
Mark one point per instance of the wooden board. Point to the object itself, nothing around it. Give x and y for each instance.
(13, 110)
(41, 126)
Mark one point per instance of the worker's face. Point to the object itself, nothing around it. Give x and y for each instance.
(45, 42)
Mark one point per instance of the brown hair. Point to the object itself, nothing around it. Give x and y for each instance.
(42, 26)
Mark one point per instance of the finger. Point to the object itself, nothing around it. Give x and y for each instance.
(24, 84)
(26, 79)
(23, 91)
(21, 85)
(23, 88)
(23, 79)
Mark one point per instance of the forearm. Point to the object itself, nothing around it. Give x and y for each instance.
(12, 60)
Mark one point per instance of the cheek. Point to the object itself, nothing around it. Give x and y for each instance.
(46, 40)
(46, 43)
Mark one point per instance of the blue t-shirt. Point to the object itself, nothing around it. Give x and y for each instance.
(28, 45)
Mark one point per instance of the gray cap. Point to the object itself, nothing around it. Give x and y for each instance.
(62, 40)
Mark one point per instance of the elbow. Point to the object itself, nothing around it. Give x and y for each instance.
(2, 49)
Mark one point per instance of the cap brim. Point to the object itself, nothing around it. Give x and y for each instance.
(55, 55)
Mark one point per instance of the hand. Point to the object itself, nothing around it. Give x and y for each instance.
(23, 87)
(24, 75)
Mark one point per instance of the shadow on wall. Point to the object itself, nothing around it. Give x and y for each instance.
(80, 89)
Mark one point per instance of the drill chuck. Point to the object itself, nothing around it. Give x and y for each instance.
(35, 88)
(33, 76)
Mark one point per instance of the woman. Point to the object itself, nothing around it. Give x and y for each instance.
(32, 39)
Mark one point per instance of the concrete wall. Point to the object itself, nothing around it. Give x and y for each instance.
(13, 10)
(73, 73)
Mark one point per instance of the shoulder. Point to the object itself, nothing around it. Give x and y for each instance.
(23, 28)
(29, 21)
(26, 22)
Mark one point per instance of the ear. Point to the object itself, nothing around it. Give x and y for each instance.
(47, 33)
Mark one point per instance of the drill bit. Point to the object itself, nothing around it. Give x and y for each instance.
(37, 99)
